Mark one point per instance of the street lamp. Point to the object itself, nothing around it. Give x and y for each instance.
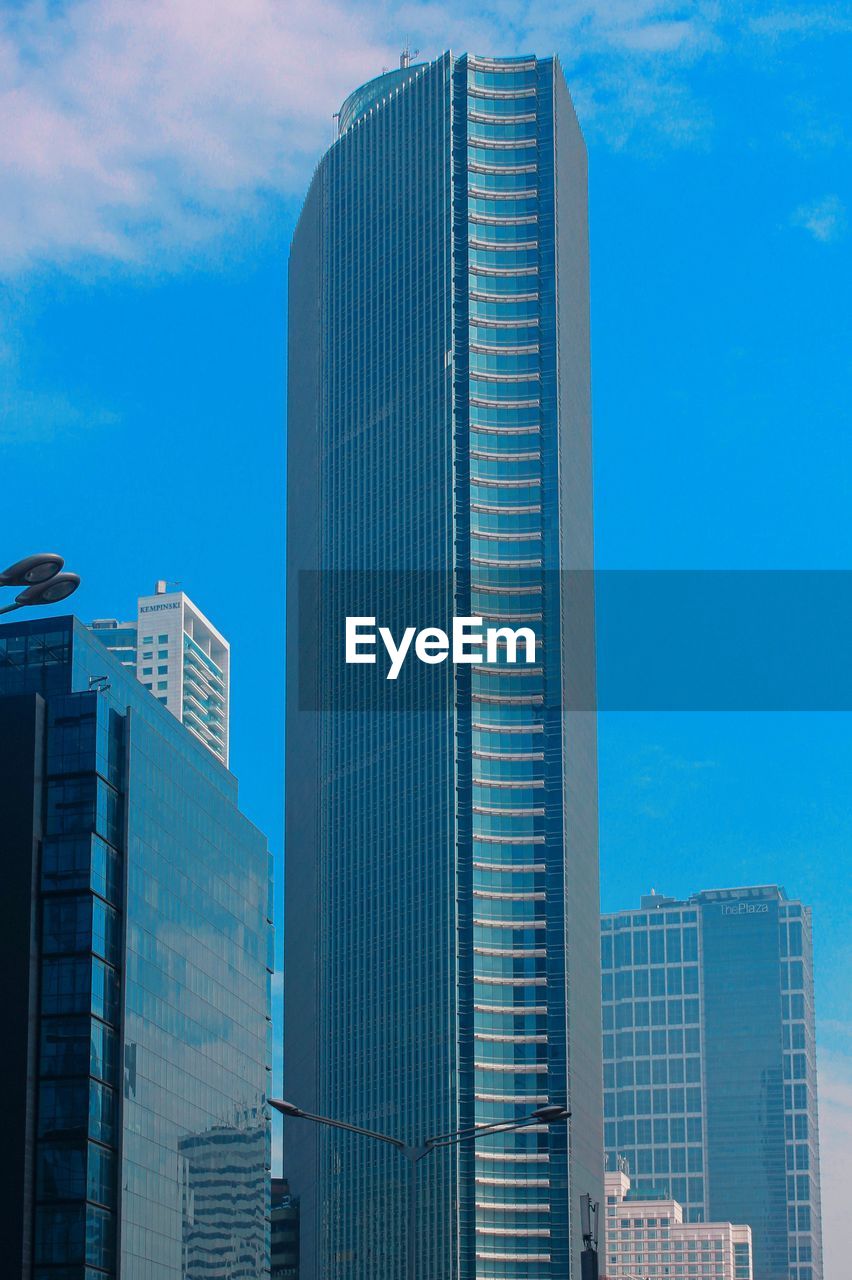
(41, 579)
(414, 1152)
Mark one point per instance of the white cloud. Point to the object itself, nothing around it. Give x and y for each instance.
(802, 21)
(835, 1104)
(825, 219)
(134, 131)
(132, 126)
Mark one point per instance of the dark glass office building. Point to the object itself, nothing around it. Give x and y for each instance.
(442, 918)
(710, 1089)
(284, 1251)
(135, 945)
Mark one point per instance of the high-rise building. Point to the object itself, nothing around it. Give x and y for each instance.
(709, 1064)
(442, 926)
(135, 946)
(649, 1238)
(177, 653)
(284, 1251)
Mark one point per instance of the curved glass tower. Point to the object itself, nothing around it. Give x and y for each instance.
(441, 936)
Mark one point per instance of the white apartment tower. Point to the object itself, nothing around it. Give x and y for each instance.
(177, 653)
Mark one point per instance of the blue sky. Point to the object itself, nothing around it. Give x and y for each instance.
(151, 179)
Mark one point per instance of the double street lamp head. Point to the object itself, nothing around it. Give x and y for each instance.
(42, 580)
(551, 1114)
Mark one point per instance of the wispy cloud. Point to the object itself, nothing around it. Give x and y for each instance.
(132, 127)
(802, 21)
(825, 219)
(661, 778)
(133, 131)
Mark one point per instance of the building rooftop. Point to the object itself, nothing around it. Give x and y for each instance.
(654, 901)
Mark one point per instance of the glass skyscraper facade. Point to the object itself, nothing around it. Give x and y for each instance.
(441, 933)
(137, 936)
(710, 1067)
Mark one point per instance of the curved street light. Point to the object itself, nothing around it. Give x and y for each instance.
(414, 1152)
(42, 581)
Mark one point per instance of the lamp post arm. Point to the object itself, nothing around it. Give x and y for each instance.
(340, 1124)
(481, 1131)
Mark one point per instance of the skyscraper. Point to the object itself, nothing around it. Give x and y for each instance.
(441, 935)
(136, 948)
(710, 1068)
(177, 653)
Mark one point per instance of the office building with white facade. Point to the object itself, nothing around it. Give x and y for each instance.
(648, 1238)
(177, 653)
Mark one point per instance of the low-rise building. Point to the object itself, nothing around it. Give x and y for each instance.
(647, 1239)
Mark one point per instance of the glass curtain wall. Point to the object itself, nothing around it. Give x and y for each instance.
(504, 316)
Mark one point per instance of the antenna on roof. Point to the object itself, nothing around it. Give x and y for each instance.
(405, 57)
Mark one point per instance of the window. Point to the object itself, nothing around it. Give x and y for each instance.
(70, 806)
(162, 684)
(66, 985)
(61, 1172)
(66, 924)
(162, 671)
(62, 1106)
(162, 639)
(60, 1235)
(162, 653)
(623, 950)
(147, 671)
